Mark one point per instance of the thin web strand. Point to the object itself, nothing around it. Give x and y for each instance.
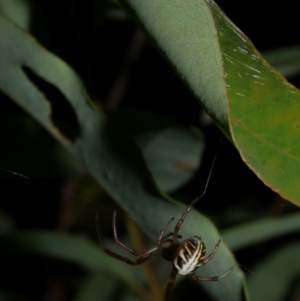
(64, 191)
(211, 169)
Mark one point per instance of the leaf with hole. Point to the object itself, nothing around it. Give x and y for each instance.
(30, 75)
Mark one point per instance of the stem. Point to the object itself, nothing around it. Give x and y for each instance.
(155, 287)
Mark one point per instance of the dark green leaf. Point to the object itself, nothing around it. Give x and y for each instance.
(172, 152)
(273, 276)
(248, 234)
(108, 154)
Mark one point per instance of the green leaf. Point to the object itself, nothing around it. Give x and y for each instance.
(273, 276)
(285, 60)
(90, 289)
(172, 152)
(106, 151)
(186, 36)
(44, 157)
(17, 10)
(247, 98)
(67, 247)
(248, 234)
(262, 112)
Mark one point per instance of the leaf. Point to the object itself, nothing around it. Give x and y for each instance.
(17, 10)
(66, 247)
(248, 99)
(172, 152)
(286, 60)
(27, 73)
(90, 291)
(278, 268)
(44, 157)
(254, 232)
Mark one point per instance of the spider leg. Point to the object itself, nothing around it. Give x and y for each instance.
(208, 258)
(181, 220)
(170, 283)
(216, 278)
(114, 225)
(161, 236)
(169, 235)
(142, 257)
(152, 249)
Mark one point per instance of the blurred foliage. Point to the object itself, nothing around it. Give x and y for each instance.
(48, 237)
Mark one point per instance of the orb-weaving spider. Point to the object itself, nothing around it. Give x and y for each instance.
(186, 256)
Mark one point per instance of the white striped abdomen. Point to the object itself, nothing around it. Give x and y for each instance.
(189, 255)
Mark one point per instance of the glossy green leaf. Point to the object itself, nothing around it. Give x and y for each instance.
(249, 100)
(254, 232)
(273, 276)
(105, 149)
(263, 110)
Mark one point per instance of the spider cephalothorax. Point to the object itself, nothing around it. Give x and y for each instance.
(186, 256)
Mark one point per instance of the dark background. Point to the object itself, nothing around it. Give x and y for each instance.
(98, 47)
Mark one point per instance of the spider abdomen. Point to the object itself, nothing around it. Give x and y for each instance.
(189, 255)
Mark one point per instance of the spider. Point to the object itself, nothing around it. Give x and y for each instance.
(186, 256)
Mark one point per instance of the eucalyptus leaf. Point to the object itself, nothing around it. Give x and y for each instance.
(252, 103)
(276, 272)
(18, 10)
(172, 152)
(67, 247)
(248, 234)
(285, 60)
(96, 286)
